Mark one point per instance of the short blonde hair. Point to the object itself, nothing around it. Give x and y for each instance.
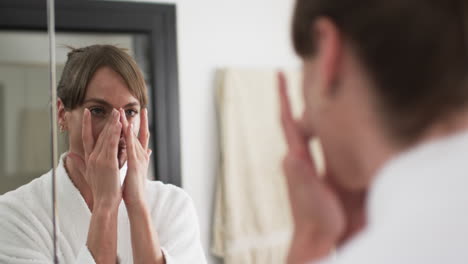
(81, 65)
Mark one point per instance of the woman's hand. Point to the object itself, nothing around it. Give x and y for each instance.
(138, 156)
(145, 241)
(100, 165)
(319, 219)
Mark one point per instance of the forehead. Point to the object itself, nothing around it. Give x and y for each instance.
(108, 85)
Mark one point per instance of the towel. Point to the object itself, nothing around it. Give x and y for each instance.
(252, 219)
(26, 224)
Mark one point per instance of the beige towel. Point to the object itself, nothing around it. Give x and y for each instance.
(252, 222)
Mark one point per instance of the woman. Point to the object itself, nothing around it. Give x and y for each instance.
(385, 90)
(107, 209)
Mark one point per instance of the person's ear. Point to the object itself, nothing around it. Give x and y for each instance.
(329, 54)
(61, 116)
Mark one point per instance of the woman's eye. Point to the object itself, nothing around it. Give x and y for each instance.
(97, 111)
(131, 112)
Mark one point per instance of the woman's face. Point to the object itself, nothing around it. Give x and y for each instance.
(106, 90)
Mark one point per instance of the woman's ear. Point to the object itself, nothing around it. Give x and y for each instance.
(61, 115)
(329, 53)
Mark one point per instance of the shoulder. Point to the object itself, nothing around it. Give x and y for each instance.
(26, 212)
(169, 200)
(37, 192)
(161, 193)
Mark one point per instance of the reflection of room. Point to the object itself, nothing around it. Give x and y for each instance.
(24, 96)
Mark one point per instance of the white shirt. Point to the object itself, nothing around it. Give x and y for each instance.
(417, 209)
(26, 224)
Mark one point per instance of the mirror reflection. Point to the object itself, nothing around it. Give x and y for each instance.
(25, 117)
(105, 209)
(24, 96)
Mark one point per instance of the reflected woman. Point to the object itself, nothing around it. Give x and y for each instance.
(107, 209)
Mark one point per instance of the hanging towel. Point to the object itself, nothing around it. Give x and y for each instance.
(252, 219)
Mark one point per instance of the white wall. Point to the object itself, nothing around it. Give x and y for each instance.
(213, 34)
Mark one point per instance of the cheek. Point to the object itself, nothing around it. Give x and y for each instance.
(310, 116)
(74, 132)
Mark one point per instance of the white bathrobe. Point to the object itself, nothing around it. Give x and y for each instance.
(417, 209)
(26, 224)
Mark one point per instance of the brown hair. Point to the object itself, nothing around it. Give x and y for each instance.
(414, 50)
(81, 65)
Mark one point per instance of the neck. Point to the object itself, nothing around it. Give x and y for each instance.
(372, 151)
(458, 123)
(79, 181)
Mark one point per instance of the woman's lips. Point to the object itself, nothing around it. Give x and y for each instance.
(122, 145)
(122, 155)
(121, 149)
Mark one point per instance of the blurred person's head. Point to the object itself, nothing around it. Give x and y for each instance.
(380, 76)
(100, 78)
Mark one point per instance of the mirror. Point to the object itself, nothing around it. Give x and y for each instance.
(24, 95)
(151, 28)
(146, 30)
(25, 117)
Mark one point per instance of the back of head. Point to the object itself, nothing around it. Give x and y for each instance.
(81, 65)
(414, 50)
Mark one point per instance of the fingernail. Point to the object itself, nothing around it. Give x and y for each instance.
(115, 113)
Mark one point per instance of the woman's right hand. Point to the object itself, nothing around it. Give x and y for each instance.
(319, 219)
(100, 166)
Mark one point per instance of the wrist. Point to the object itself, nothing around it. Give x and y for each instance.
(106, 205)
(136, 206)
(135, 200)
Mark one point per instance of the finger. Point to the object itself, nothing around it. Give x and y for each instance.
(295, 138)
(123, 120)
(78, 162)
(144, 130)
(87, 133)
(305, 125)
(103, 136)
(114, 132)
(130, 140)
(287, 120)
(285, 106)
(299, 173)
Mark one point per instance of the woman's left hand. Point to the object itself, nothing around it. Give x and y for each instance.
(138, 155)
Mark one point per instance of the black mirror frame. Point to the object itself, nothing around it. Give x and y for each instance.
(158, 22)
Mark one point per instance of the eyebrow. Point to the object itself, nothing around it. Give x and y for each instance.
(103, 102)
